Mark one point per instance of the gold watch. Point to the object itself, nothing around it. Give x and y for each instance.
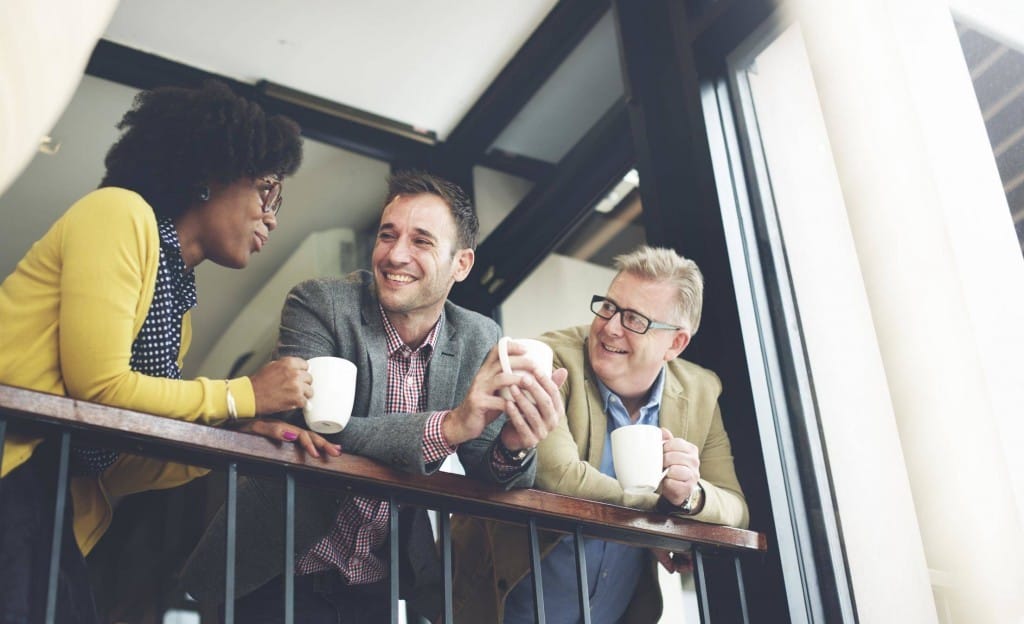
(691, 504)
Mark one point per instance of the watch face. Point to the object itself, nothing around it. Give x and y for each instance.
(691, 502)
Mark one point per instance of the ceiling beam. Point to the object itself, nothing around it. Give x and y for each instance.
(529, 69)
(517, 165)
(721, 28)
(549, 212)
(141, 70)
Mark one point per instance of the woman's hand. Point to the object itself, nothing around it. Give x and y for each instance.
(280, 431)
(282, 385)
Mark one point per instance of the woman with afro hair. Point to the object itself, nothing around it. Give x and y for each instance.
(98, 310)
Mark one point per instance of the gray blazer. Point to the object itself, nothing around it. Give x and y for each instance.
(341, 317)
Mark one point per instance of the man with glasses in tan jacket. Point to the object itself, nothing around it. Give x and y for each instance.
(624, 369)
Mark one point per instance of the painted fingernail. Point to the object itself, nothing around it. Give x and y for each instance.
(289, 435)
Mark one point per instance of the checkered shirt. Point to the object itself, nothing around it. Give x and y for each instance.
(361, 525)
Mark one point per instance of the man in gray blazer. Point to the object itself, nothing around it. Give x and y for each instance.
(427, 385)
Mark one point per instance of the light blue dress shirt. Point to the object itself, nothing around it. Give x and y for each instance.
(612, 569)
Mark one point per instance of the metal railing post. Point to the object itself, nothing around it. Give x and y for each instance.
(58, 527)
(700, 582)
(289, 548)
(742, 589)
(229, 569)
(393, 560)
(581, 575)
(3, 433)
(538, 580)
(445, 524)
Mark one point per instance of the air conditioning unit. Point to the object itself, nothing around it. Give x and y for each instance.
(250, 339)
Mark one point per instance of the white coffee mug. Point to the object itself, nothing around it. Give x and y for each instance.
(638, 457)
(334, 391)
(536, 351)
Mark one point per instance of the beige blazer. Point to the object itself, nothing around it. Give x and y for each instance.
(492, 557)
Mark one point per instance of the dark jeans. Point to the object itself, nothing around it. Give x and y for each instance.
(319, 599)
(27, 500)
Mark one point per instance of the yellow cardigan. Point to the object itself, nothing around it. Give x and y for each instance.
(69, 314)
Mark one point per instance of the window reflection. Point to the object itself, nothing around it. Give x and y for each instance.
(615, 226)
(997, 71)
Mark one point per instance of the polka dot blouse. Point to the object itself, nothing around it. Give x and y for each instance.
(155, 349)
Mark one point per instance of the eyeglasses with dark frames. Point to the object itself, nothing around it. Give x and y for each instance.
(270, 193)
(631, 319)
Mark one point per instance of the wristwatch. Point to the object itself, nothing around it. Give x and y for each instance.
(691, 504)
(513, 457)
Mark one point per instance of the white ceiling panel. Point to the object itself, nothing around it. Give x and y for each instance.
(423, 63)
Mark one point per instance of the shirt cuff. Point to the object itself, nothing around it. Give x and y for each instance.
(435, 447)
(245, 397)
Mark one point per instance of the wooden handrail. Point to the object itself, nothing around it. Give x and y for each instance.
(202, 445)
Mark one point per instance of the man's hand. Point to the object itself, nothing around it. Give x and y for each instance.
(282, 385)
(482, 403)
(683, 462)
(530, 421)
(674, 561)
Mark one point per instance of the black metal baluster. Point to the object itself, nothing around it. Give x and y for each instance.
(743, 591)
(229, 569)
(289, 548)
(58, 527)
(581, 575)
(445, 523)
(3, 432)
(538, 581)
(700, 583)
(393, 560)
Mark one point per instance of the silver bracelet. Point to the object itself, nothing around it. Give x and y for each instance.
(232, 406)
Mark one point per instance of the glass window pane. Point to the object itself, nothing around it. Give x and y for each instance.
(997, 71)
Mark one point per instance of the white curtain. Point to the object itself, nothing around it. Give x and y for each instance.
(44, 46)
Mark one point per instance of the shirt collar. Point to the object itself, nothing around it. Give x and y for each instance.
(168, 235)
(182, 277)
(653, 399)
(171, 246)
(394, 341)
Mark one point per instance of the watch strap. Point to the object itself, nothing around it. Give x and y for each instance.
(513, 456)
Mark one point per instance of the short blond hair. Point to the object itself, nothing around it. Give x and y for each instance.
(660, 264)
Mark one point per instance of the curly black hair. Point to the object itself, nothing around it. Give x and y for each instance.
(178, 140)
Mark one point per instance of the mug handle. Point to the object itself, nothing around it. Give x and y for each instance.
(503, 354)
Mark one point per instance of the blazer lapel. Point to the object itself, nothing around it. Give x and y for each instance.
(597, 427)
(375, 351)
(673, 414)
(443, 372)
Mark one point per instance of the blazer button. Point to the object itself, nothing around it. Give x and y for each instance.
(502, 584)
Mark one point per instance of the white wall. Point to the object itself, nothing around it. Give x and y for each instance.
(555, 296)
(496, 194)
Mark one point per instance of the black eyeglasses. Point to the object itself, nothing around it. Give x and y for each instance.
(631, 319)
(270, 192)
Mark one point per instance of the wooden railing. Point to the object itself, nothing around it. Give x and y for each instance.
(144, 434)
